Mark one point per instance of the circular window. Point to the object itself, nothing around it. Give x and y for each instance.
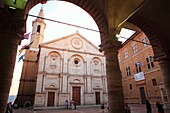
(77, 43)
(76, 61)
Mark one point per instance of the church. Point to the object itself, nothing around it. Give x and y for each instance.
(67, 68)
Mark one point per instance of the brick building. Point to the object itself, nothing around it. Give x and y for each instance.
(141, 74)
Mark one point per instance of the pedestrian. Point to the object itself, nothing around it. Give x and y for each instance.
(107, 106)
(148, 107)
(7, 108)
(75, 105)
(127, 108)
(66, 104)
(102, 107)
(71, 104)
(160, 107)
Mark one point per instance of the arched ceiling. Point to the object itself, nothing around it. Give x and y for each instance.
(115, 12)
(112, 14)
(153, 18)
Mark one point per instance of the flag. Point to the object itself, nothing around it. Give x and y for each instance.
(20, 51)
(24, 46)
(21, 57)
(43, 1)
(26, 35)
(138, 64)
(28, 46)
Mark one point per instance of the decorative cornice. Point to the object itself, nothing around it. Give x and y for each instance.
(81, 52)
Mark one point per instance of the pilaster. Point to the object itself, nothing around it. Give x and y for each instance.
(11, 32)
(164, 62)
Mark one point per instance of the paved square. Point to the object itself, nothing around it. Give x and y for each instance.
(136, 108)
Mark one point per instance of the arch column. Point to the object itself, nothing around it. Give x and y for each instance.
(11, 31)
(164, 62)
(115, 89)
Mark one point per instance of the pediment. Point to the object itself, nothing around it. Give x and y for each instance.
(74, 42)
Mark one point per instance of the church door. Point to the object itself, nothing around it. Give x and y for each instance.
(97, 97)
(51, 98)
(76, 95)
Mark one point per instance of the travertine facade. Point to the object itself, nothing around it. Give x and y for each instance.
(70, 68)
(141, 75)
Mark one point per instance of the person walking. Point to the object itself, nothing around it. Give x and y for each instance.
(160, 107)
(75, 105)
(148, 107)
(71, 104)
(66, 104)
(102, 107)
(127, 108)
(107, 106)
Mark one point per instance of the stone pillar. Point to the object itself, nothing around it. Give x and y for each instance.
(11, 31)
(89, 84)
(115, 89)
(165, 68)
(65, 80)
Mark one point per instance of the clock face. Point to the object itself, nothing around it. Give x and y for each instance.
(77, 43)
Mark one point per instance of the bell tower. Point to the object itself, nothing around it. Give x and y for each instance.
(26, 91)
(37, 36)
(38, 31)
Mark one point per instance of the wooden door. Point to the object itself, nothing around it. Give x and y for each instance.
(76, 95)
(51, 98)
(142, 95)
(97, 97)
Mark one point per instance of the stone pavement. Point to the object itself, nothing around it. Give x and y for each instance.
(135, 108)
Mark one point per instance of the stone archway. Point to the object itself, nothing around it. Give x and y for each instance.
(110, 48)
(152, 34)
(160, 51)
(15, 29)
(89, 7)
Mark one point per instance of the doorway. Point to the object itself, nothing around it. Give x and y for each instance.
(97, 97)
(51, 98)
(76, 94)
(142, 95)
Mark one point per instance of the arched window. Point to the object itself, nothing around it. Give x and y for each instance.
(38, 28)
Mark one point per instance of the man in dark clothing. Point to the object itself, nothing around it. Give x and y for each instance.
(148, 107)
(75, 105)
(160, 107)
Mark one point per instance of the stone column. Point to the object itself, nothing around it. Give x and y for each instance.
(11, 31)
(165, 68)
(65, 84)
(115, 89)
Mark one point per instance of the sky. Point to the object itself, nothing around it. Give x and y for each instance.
(63, 12)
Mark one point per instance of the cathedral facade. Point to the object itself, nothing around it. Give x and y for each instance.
(67, 68)
(70, 68)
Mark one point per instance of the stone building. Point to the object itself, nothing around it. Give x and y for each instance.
(70, 68)
(141, 74)
(67, 68)
(151, 16)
